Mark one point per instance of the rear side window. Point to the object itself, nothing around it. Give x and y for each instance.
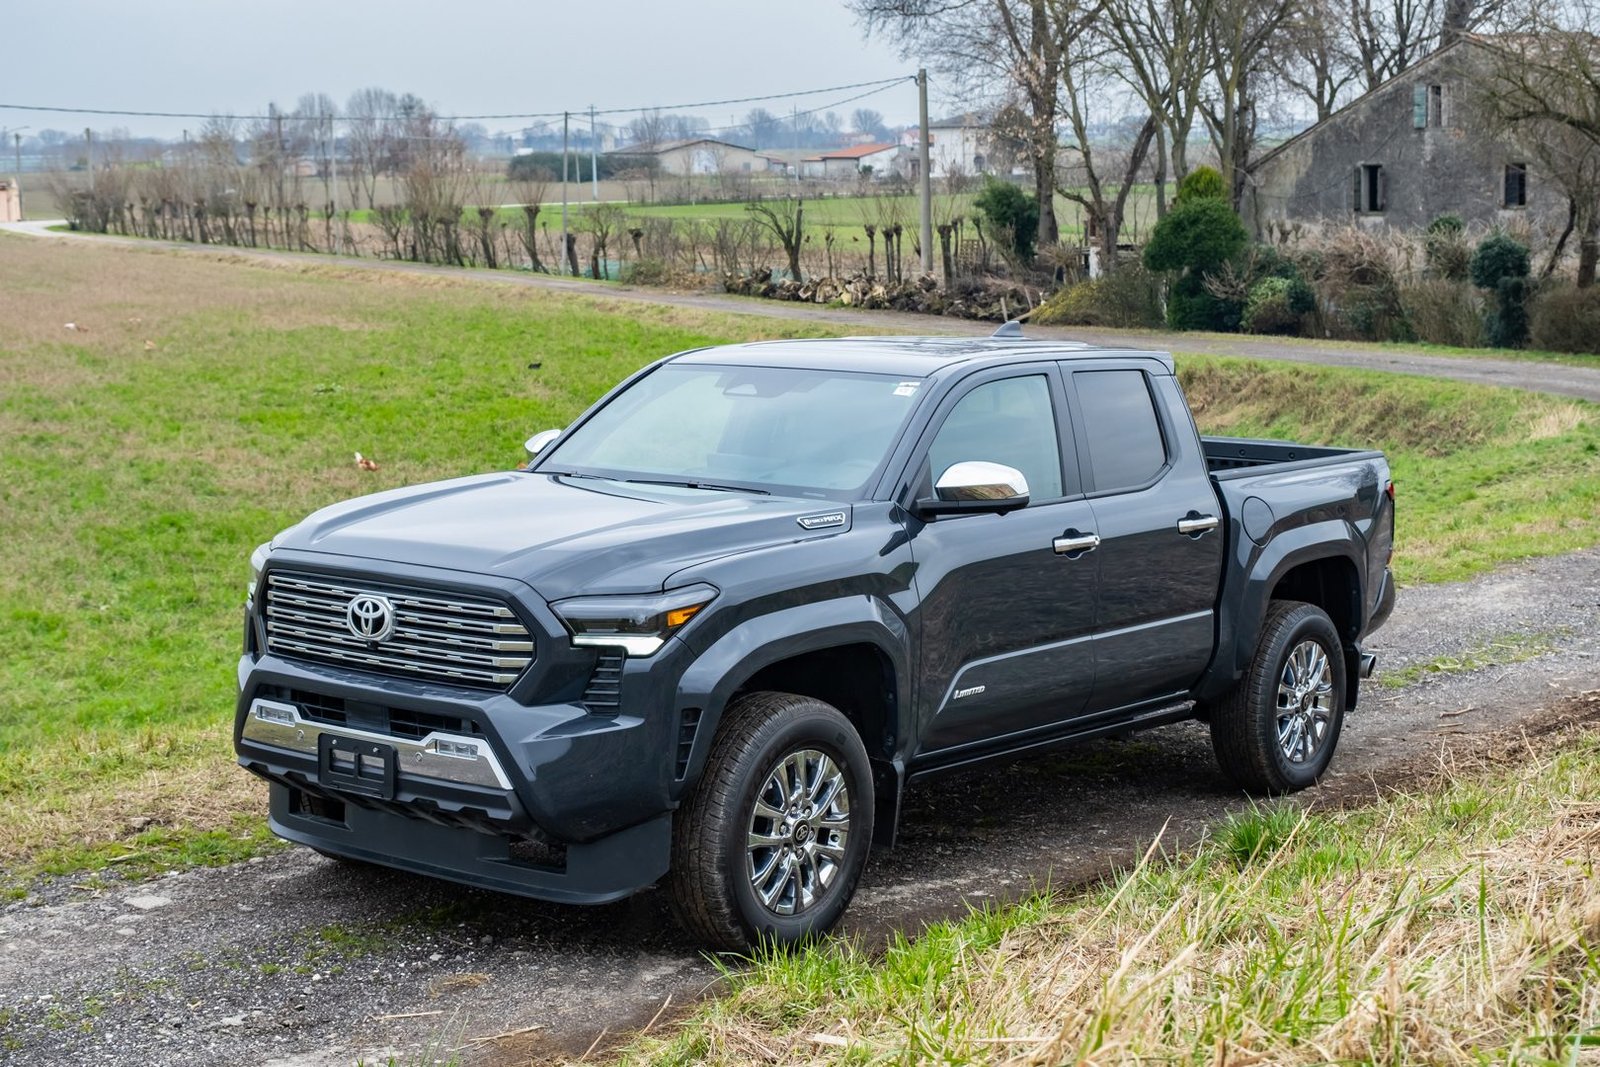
(1126, 448)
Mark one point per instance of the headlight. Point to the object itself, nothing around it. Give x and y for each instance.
(258, 560)
(639, 625)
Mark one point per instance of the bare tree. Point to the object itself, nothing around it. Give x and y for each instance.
(370, 116)
(1243, 36)
(1541, 87)
(1009, 48)
(784, 219)
(867, 121)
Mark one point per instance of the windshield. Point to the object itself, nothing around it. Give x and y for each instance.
(773, 429)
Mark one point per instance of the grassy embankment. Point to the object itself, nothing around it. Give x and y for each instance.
(202, 405)
(1455, 925)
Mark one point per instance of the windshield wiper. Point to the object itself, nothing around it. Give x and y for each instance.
(696, 485)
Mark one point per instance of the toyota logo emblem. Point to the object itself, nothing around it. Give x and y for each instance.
(371, 618)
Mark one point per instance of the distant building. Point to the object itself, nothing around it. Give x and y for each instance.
(883, 160)
(10, 201)
(1401, 155)
(956, 145)
(700, 155)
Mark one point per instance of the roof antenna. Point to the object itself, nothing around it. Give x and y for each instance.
(1009, 331)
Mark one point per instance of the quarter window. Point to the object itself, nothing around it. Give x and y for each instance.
(1126, 448)
(1011, 421)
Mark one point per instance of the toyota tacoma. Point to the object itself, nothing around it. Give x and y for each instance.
(716, 626)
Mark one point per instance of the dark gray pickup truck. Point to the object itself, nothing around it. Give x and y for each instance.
(726, 617)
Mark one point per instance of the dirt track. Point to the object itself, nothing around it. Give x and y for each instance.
(294, 959)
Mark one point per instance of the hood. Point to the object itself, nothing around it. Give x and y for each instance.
(561, 535)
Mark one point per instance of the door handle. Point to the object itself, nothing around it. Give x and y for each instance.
(1195, 524)
(1072, 543)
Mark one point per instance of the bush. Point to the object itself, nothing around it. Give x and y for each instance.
(1447, 250)
(1125, 298)
(1277, 305)
(1198, 235)
(1565, 319)
(1446, 224)
(1501, 264)
(1498, 257)
(1012, 213)
(1202, 183)
(1507, 325)
(1192, 306)
(647, 272)
(1443, 312)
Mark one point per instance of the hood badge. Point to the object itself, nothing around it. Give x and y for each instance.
(826, 521)
(370, 618)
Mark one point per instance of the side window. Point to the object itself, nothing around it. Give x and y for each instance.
(1126, 448)
(1011, 421)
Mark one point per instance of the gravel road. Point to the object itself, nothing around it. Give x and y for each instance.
(292, 959)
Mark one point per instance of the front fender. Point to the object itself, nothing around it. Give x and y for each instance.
(735, 657)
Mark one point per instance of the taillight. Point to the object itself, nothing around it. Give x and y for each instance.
(1388, 491)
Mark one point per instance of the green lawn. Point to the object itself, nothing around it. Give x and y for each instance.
(203, 404)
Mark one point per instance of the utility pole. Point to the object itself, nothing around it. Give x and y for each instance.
(794, 114)
(88, 140)
(923, 157)
(16, 139)
(594, 157)
(565, 116)
(333, 179)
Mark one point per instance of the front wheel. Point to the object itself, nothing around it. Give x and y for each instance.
(770, 844)
(1275, 731)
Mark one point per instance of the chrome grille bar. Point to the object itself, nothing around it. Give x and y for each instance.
(462, 639)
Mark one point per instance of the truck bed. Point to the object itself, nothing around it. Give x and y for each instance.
(1235, 455)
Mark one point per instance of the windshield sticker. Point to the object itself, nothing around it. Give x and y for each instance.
(906, 388)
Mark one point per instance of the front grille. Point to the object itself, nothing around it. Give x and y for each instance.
(466, 640)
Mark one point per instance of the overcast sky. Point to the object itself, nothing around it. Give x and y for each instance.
(469, 57)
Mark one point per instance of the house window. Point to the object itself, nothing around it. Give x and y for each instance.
(1371, 189)
(1427, 106)
(1516, 185)
(977, 163)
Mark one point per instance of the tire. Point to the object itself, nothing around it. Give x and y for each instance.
(719, 879)
(1266, 738)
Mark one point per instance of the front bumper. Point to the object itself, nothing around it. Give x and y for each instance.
(598, 872)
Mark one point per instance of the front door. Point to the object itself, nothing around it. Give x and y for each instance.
(1007, 610)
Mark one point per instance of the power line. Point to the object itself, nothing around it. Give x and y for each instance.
(124, 113)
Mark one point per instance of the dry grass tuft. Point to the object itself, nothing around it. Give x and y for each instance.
(1459, 925)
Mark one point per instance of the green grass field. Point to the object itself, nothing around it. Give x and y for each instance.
(202, 404)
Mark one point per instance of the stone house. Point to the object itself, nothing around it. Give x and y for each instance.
(1401, 155)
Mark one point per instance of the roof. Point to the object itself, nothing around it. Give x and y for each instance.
(668, 146)
(965, 120)
(856, 151)
(1411, 71)
(912, 357)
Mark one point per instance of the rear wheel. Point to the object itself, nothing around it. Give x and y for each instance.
(1276, 730)
(771, 843)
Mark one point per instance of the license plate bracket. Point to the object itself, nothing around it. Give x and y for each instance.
(355, 766)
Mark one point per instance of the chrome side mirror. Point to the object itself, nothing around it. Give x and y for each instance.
(976, 485)
(539, 441)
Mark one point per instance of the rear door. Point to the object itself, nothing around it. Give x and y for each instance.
(1158, 518)
(1006, 618)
